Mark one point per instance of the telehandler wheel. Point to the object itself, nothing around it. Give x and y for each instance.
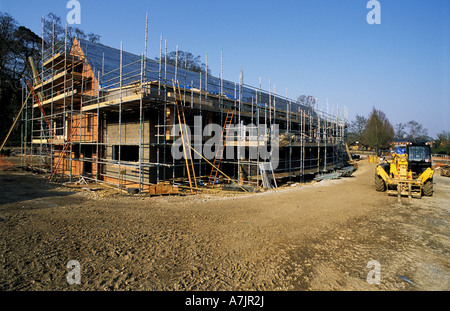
(428, 188)
(379, 183)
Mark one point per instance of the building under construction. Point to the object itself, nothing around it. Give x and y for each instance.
(105, 115)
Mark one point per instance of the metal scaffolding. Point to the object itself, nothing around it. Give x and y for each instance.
(109, 116)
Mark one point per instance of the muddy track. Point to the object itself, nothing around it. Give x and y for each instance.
(311, 237)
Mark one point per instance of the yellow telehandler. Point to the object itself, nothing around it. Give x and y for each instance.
(410, 172)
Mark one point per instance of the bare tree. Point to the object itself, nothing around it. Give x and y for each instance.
(55, 31)
(307, 100)
(416, 132)
(400, 132)
(356, 129)
(185, 60)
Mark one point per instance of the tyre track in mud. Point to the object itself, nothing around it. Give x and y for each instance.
(313, 237)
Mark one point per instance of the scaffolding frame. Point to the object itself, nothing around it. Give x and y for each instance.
(112, 125)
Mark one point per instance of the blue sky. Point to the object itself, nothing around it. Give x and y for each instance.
(323, 48)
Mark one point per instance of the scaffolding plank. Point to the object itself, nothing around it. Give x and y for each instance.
(60, 78)
(57, 60)
(59, 99)
(113, 102)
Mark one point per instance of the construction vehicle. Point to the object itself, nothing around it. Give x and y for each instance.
(410, 172)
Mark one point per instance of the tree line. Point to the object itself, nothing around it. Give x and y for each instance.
(375, 131)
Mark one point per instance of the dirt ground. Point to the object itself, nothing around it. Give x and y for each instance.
(319, 236)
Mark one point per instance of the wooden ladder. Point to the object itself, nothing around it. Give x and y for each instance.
(186, 144)
(214, 168)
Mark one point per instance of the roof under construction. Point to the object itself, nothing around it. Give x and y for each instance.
(106, 63)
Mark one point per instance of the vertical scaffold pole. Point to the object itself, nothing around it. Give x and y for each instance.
(120, 114)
